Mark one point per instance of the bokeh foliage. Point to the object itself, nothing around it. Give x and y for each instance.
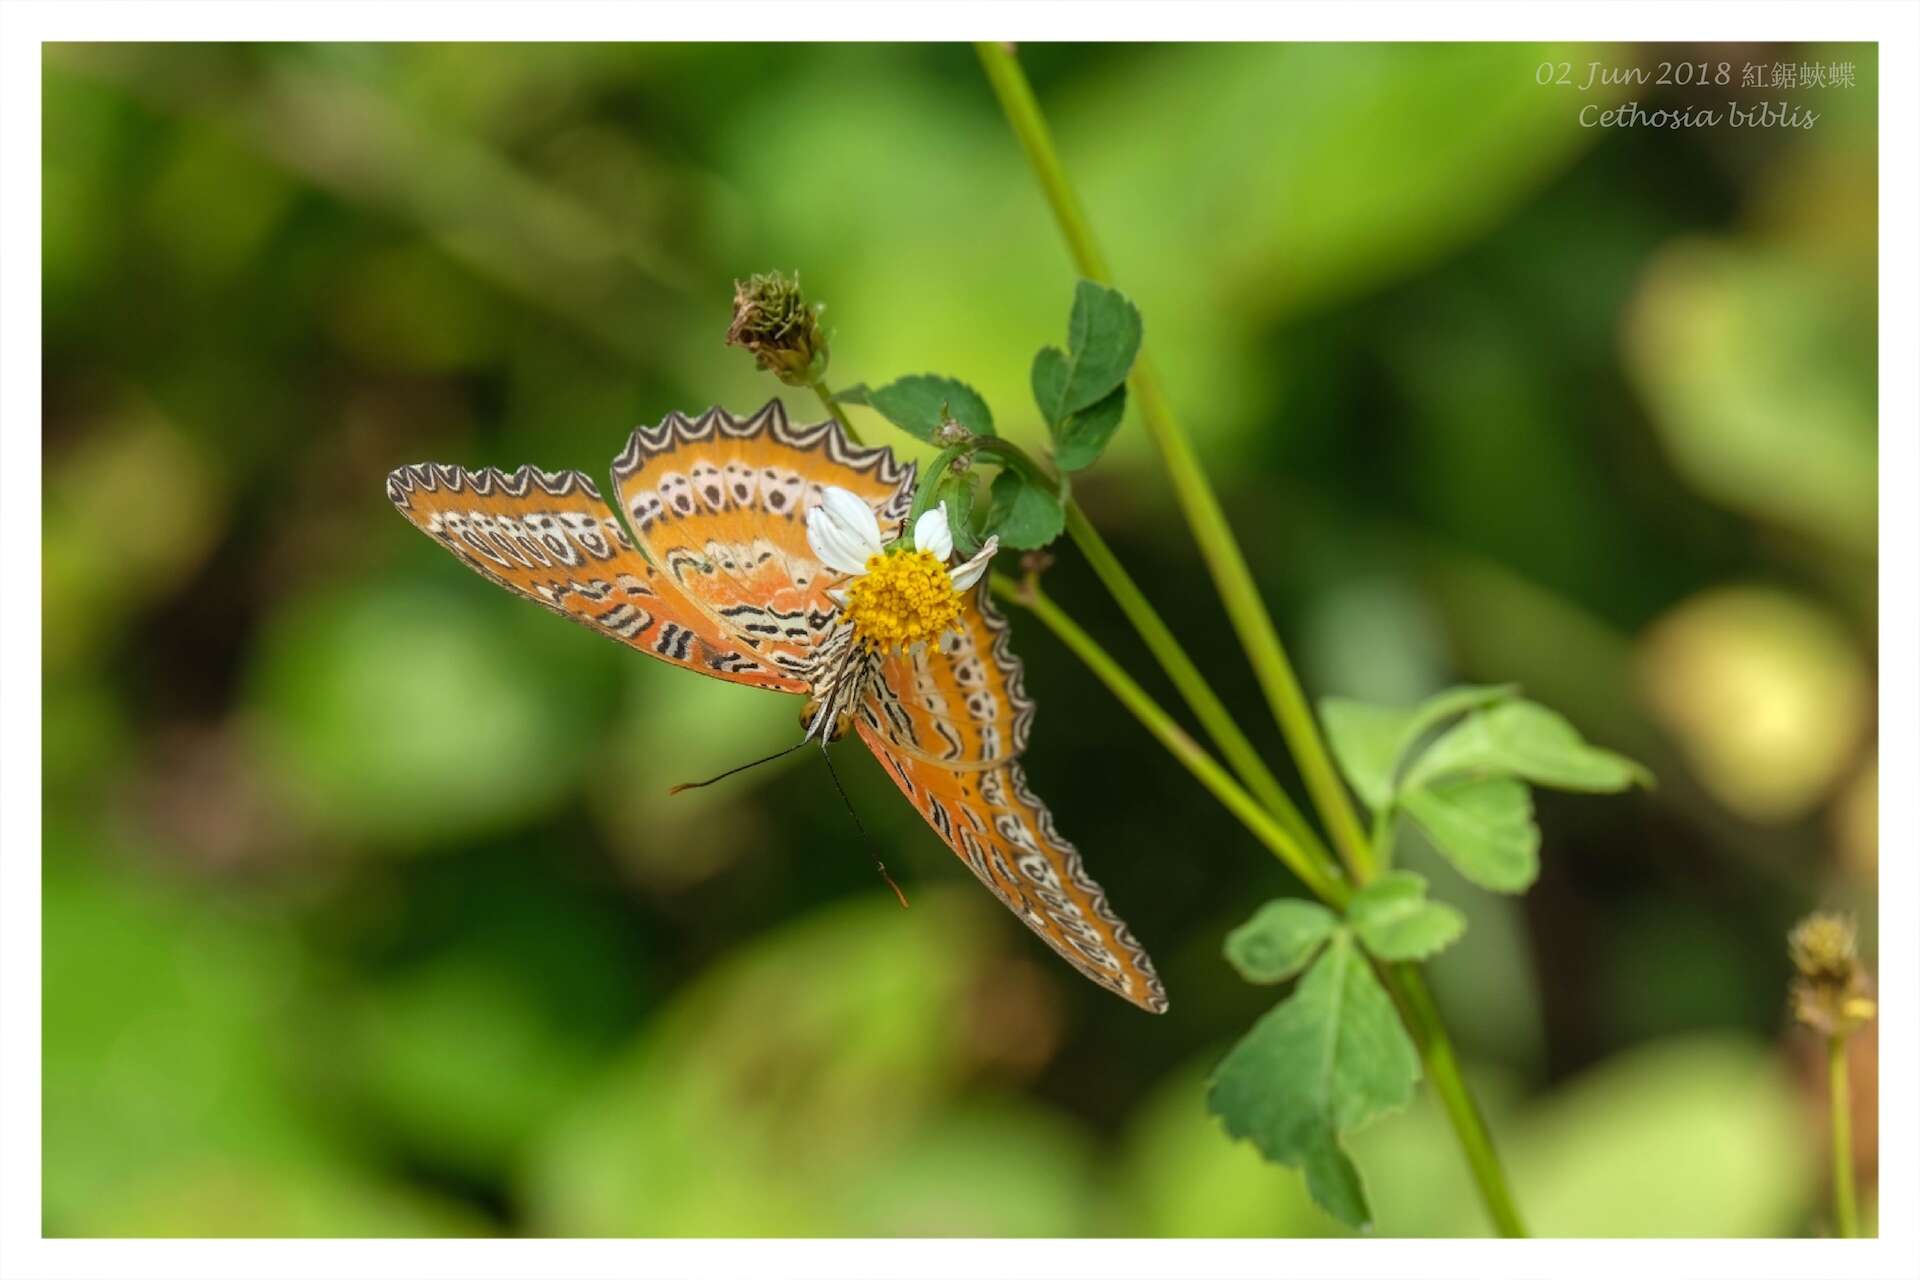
(365, 909)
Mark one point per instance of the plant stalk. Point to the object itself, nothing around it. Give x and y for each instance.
(1234, 580)
(1846, 1212)
(833, 408)
(1443, 1072)
(1210, 773)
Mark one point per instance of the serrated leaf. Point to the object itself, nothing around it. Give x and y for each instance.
(1333, 1180)
(1527, 740)
(1484, 826)
(1049, 378)
(1396, 922)
(1082, 438)
(1279, 940)
(1023, 513)
(1323, 1062)
(1369, 740)
(920, 402)
(1103, 337)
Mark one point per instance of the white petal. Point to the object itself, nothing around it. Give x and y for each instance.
(854, 515)
(838, 596)
(823, 535)
(842, 531)
(931, 533)
(969, 573)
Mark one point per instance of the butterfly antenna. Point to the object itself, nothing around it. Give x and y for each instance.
(678, 787)
(860, 826)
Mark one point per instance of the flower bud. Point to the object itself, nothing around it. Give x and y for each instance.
(773, 321)
(1832, 994)
(950, 433)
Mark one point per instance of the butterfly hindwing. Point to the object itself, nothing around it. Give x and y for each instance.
(719, 503)
(1007, 838)
(548, 536)
(959, 702)
(947, 723)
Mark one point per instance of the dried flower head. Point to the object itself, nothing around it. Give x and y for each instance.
(771, 319)
(1832, 993)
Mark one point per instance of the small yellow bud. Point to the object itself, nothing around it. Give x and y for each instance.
(1832, 995)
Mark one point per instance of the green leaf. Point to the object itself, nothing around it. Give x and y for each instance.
(1103, 337)
(1023, 513)
(1395, 920)
(1279, 940)
(1526, 739)
(1484, 826)
(1049, 381)
(958, 489)
(1079, 441)
(1369, 740)
(1323, 1062)
(920, 402)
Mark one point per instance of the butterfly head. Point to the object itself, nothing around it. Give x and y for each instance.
(833, 731)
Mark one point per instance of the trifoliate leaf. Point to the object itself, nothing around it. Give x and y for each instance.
(1526, 739)
(1103, 337)
(1396, 922)
(1082, 438)
(1484, 826)
(920, 402)
(1323, 1062)
(1023, 513)
(1279, 940)
(1369, 741)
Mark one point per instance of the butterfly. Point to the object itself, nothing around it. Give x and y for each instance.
(757, 556)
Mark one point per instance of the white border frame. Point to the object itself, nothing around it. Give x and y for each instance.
(29, 22)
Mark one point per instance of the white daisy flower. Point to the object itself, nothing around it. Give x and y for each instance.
(895, 599)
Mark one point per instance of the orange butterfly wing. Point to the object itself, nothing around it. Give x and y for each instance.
(947, 724)
(719, 503)
(548, 536)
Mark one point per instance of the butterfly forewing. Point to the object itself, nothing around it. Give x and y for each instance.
(548, 536)
(720, 503)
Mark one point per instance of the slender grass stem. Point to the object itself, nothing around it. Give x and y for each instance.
(1232, 577)
(1210, 773)
(1846, 1212)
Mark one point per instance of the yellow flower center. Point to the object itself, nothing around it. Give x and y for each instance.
(901, 599)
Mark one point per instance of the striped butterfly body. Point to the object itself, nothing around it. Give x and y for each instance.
(719, 575)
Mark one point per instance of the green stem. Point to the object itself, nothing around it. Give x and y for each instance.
(1231, 576)
(1210, 773)
(1200, 697)
(1846, 1213)
(1443, 1073)
(832, 406)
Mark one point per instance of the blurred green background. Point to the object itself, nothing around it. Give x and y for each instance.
(366, 911)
